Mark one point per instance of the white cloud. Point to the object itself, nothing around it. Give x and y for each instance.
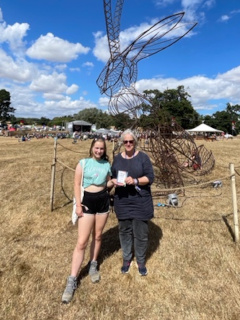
(224, 18)
(67, 106)
(13, 35)
(74, 69)
(61, 67)
(209, 3)
(164, 3)
(55, 82)
(101, 50)
(191, 3)
(53, 96)
(88, 64)
(19, 70)
(54, 49)
(202, 89)
(72, 89)
(232, 76)
(229, 16)
(28, 105)
(103, 101)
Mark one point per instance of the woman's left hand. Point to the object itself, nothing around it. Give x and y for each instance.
(130, 180)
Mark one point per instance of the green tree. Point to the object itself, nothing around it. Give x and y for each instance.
(172, 103)
(60, 121)
(95, 116)
(5, 108)
(234, 111)
(222, 120)
(122, 121)
(44, 121)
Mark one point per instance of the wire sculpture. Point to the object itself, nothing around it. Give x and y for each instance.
(177, 160)
(172, 150)
(177, 157)
(117, 79)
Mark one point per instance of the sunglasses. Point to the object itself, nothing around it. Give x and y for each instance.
(128, 141)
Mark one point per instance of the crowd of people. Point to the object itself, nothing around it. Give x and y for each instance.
(93, 135)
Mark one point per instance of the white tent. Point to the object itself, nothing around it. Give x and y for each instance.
(203, 128)
(107, 131)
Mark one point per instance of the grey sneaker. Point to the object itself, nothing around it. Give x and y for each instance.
(69, 290)
(93, 271)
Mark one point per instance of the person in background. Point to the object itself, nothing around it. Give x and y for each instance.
(132, 175)
(92, 212)
(196, 160)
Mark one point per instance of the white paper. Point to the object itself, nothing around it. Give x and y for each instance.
(122, 175)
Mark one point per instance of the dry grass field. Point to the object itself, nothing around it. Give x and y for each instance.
(193, 261)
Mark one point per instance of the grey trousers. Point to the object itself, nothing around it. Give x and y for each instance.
(133, 234)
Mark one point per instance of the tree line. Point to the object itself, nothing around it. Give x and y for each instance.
(169, 105)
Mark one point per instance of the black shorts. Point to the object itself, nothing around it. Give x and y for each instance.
(96, 202)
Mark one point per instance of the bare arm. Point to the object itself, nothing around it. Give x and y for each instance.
(77, 189)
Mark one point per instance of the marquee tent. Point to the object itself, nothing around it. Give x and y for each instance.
(203, 128)
(107, 131)
(78, 125)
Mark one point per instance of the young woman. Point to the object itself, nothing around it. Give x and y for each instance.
(92, 212)
(133, 175)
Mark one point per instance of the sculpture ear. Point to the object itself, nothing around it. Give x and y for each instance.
(113, 24)
(157, 37)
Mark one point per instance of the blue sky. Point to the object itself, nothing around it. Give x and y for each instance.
(52, 52)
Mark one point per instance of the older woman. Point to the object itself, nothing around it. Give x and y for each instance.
(132, 174)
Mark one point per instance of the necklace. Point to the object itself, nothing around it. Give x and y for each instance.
(127, 157)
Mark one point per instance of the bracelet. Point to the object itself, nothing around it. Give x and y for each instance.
(136, 182)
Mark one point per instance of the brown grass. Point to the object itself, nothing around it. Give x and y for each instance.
(193, 261)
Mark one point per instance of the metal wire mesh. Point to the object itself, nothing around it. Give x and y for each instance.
(176, 156)
(120, 73)
(173, 151)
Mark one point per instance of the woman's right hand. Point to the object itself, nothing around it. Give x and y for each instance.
(79, 211)
(114, 181)
(111, 183)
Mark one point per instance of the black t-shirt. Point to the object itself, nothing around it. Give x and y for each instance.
(128, 202)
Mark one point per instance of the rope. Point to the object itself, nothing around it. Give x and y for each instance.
(154, 193)
(165, 190)
(197, 185)
(188, 219)
(68, 148)
(62, 186)
(64, 165)
(237, 172)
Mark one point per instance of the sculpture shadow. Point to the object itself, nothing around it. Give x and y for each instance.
(155, 236)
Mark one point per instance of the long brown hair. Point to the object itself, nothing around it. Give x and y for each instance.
(104, 156)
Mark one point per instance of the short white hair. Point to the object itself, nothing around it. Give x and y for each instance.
(130, 132)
